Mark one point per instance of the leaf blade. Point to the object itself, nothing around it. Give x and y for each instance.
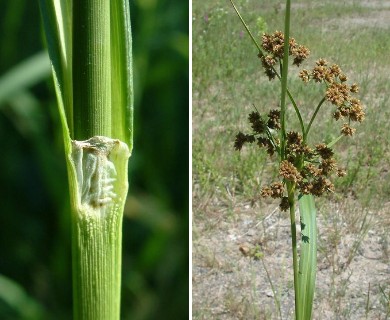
(25, 74)
(57, 23)
(308, 258)
(122, 72)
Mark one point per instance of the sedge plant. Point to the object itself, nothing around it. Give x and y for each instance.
(305, 170)
(89, 43)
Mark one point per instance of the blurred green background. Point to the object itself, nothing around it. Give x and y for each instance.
(35, 254)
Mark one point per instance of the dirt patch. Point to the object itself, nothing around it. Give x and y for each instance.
(353, 264)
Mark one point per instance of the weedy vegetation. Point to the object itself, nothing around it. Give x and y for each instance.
(230, 215)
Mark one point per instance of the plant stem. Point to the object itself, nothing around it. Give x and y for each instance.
(284, 77)
(291, 199)
(332, 143)
(91, 69)
(277, 302)
(298, 113)
(312, 119)
(100, 167)
(290, 186)
(89, 43)
(246, 28)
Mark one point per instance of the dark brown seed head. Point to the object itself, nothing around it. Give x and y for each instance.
(284, 204)
(289, 172)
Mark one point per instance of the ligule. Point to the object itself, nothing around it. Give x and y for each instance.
(96, 162)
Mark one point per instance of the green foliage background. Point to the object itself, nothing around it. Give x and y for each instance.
(35, 259)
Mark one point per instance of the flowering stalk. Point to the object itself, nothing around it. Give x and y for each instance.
(305, 171)
(284, 74)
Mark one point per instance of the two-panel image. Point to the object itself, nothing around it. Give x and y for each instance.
(224, 159)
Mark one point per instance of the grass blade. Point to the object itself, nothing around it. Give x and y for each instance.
(57, 23)
(15, 296)
(308, 258)
(24, 75)
(284, 74)
(121, 73)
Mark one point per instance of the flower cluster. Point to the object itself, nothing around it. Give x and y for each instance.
(304, 168)
(261, 132)
(338, 93)
(273, 44)
(309, 169)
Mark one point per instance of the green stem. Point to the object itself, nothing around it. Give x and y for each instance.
(246, 28)
(99, 166)
(89, 43)
(312, 119)
(298, 113)
(332, 143)
(290, 186)
(291, 199)
(271, 138)
(91, 69)
(277, 302)
(284, 78)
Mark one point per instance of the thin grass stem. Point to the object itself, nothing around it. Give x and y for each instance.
(246, 28)
(277, 302)
(284, 79)
(331, 144)
(298, 113)
(312, 119)
(89, 44)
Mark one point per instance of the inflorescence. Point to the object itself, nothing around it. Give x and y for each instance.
(308, 169)
(338, 93)
(273, 44)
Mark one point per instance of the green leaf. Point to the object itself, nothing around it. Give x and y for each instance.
(57, 23)
(122, 73)
(24, 75)
(15, 296)
(308, 257)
